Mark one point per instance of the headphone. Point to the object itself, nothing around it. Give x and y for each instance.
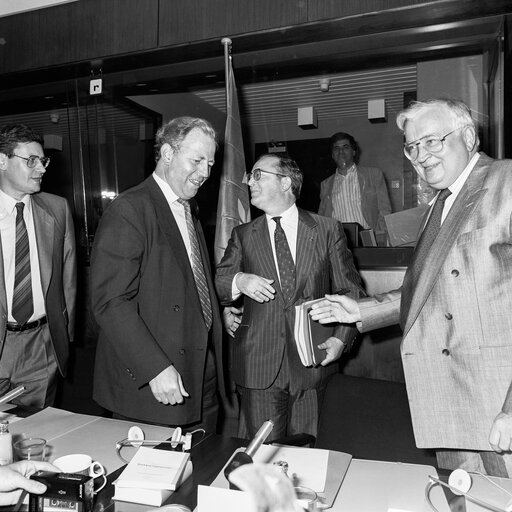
(460, 483)
(136, 439)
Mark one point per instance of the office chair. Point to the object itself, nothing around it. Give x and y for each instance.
(370, 419)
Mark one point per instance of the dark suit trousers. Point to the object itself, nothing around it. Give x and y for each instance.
(293, 410)
(28, 359)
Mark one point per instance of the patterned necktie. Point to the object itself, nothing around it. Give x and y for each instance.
(284, 261)
(426, 240)
(197, 267)
(22, 302)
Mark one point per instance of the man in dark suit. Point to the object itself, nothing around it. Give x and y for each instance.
(38, 271)
(354, 193)
(159, 349)
(271, 381)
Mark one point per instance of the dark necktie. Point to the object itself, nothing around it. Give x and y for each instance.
(22, 302)
(197, 266)
(426, 240)
(284, 261)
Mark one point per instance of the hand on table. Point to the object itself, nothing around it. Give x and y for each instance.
(167, 387)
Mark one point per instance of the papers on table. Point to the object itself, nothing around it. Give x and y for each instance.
(309, 334)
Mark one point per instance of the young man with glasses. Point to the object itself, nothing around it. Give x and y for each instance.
(38, 271)
(455, 303)
(276, 262)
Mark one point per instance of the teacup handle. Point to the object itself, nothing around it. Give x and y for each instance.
(96, 469)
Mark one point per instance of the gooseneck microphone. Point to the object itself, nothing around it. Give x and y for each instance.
(246, 456)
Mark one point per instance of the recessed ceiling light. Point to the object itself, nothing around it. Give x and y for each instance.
(210, 76)
(141, 84)
(49, 97)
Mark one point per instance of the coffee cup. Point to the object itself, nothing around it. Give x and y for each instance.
(82, 464)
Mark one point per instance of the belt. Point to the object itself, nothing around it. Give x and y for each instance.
(13, 327)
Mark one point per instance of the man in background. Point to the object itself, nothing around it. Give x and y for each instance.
(159, 350)
(278, 261)
(38, 271)
(354, 193)
(454, 305)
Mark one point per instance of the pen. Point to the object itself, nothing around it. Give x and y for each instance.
(12, 394)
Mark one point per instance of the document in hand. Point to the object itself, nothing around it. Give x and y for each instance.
(309, 334)
(152, 475)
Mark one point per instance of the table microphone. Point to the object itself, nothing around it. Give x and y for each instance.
(245, 456)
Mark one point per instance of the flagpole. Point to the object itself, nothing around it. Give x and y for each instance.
(226, 41)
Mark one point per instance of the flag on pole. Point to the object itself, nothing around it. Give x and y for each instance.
(233, 207)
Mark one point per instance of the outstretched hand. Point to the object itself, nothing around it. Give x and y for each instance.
(336, 308)
(256, 287)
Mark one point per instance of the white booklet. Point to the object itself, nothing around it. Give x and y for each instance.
(152, 475)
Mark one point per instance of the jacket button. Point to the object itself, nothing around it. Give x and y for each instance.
(448, 316)
(182, 352)
(455, 272)
(445, 352)
(176, 308)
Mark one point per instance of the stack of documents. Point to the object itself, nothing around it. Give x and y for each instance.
(309, 334)
(152, 475)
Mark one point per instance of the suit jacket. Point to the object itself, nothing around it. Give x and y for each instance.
(55, 239)
(146, 304)
(457, 344)
(374, 197)
(323, 265)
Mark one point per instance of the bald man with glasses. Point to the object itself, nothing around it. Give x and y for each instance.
(455, 303)
(274, 263)
(37, 274)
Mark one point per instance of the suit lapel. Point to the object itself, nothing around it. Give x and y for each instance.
(307, 235)
(468, 199)
(44, 225)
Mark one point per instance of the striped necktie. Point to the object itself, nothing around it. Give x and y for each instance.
(284, 261)
(22, 301)
(426, 240)
(197, 266)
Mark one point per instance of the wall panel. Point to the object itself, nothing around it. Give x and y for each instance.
(182, 21)
(83, 30)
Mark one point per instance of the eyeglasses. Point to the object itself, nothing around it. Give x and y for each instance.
(32, 160)
(255, 174)
(430, 143)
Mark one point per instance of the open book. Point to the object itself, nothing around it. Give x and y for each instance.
(152, 475)
(309, 334)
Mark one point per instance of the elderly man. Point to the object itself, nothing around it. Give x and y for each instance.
(37, 271)
(160, 345)
(455, 302)
(354, 193)
(278, 261)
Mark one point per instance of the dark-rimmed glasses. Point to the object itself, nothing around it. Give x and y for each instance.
(255, 174)
(32, 160)
(431, 144)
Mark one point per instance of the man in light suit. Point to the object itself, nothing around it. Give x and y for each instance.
(38, 271)
(354, 193)
(159, 353)
(455, 305)
(271, 381)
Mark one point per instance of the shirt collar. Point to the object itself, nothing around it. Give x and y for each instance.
(351, 170)
(166, 189)
(459, 182)
(288, 216)
(8, 203)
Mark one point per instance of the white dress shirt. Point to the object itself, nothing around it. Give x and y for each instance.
(8, 234)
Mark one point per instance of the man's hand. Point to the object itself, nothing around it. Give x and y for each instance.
(258, 288)
(167, 387)
(15, 477)
(334, 347)
(232, 317)
(500, 437)
(336, 308)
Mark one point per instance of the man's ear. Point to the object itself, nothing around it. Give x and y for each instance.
(3, 161)
(166, 153)
(286, 183)
(470, 137)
